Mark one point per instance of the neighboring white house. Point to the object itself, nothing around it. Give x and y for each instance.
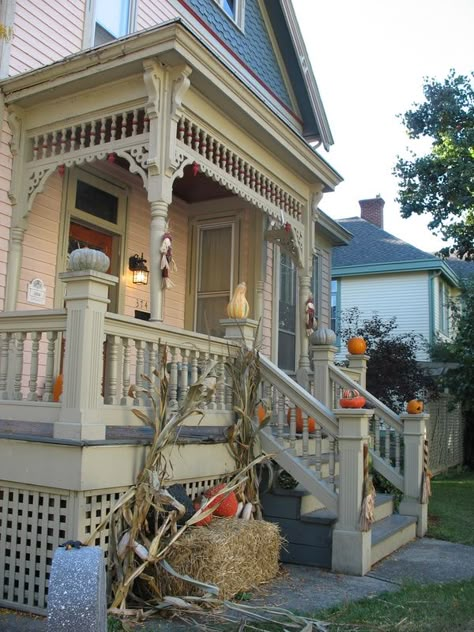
(379, 273)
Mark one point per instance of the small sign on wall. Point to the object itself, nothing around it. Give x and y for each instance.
(36, 292)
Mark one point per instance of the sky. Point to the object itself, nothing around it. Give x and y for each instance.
(369, 58)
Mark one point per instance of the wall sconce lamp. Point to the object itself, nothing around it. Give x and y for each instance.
(140, 272)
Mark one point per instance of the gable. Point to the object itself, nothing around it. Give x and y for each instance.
(253, 45)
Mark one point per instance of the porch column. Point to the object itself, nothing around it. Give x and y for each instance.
(159, 218)
(304, 293)
(414, 432)
(359, 363)
(82, 403)
(15, 255)
(351, 547)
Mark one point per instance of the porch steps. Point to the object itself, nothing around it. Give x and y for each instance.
(307, 527)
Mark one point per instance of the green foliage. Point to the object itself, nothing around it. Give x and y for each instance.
(440, 183)
(393, 375)
(459, 375)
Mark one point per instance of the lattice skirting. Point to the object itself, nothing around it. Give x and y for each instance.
(35, 520)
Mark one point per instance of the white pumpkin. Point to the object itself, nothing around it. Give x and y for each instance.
(323, 336)
(88, 259)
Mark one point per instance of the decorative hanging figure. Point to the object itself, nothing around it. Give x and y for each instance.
(167, 261)
(310, 320)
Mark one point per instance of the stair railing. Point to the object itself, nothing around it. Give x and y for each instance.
(302, 433)
(385, 428)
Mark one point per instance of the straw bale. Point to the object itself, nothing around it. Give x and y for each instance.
(235, 555)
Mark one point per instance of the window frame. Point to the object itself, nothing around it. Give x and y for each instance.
(239, 14)
(276, 320)
(90, 23)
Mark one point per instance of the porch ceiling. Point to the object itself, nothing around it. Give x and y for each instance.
(198, 188)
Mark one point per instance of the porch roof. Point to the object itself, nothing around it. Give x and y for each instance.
(174, 43)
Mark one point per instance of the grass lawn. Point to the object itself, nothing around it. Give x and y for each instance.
(451, 509)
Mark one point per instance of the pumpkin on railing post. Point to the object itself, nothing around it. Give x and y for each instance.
(415, 407)
(351, 398)
(356, 345)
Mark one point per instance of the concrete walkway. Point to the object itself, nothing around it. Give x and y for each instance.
(307, 589)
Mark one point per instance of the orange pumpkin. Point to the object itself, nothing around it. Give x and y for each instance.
(262, 413)
(299, 420)
(415, 407)
(58, 388)
(204, 521)
(227, 504)
(356, 345)
(351, 399)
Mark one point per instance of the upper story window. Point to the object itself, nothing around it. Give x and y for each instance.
(111, 19)
(234, 9)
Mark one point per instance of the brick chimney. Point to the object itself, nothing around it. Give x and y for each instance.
(372, 210)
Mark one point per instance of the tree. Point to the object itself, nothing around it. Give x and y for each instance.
(459, 376)
(441, 183)
(393, 374)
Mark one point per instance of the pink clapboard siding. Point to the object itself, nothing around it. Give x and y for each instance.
(41, 242)
(153, 12)
(5, 204)
(44, 32)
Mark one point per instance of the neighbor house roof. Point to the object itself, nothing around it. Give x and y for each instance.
(374, 251)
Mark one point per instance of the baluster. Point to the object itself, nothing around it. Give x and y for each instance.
(204, 364)
(139, 370)
(134, 122)
(211, 152)
(183, 382)
(82, 136)
(123, 129)
(4, 348)
(332, 461)
(54, 142)
(318, 448)
(125, 371)
(247, 174)
(35, 147)
(173, 379)
(33, 383)
(213, 374)
(387, 443)
(188, 137)
(229, 388)
(221, 384)
(281, 417)
(19, 338)
(113, 127)
(377, 436)
(112, 370)
(181, 128)
(51, 337)
(44, 152)
(102, 131)
(397, 451)
(73, 138)
(241, 170)
(203, 144)
(153, 361)
(194, 367)
(62, 147)
(92, 133)
(305, 439)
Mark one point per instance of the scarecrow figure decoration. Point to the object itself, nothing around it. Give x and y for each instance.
(310, 320)
(167, 261)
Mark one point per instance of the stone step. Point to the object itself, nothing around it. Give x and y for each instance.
(390, 534)
(383, 506)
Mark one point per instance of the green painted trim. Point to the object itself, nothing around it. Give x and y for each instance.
(431, 307)
(397, 266)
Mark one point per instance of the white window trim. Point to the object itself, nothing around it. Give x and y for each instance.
(276, 308)
(239, 12)
(89, 22)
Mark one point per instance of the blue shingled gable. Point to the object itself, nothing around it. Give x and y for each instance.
(253, 45)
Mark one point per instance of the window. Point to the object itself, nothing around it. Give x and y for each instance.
(111, 19)
(234, 9)
(334, 307)
(287, 314)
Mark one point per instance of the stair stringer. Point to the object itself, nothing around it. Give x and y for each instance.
(294, 466)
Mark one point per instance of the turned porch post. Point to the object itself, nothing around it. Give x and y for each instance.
(304, 293)
(414, 432)
(351, 547)
(15, 255)
(159, 218)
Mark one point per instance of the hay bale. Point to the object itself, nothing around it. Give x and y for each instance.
(235, 555)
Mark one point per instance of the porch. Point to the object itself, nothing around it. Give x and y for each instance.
(64, 464)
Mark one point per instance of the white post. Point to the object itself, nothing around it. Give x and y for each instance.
(358, 363)
(351, 547)
(414, 430)
(240, 330)
(82, 403)
(304, 293)
(323, 356)
(159, 218)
